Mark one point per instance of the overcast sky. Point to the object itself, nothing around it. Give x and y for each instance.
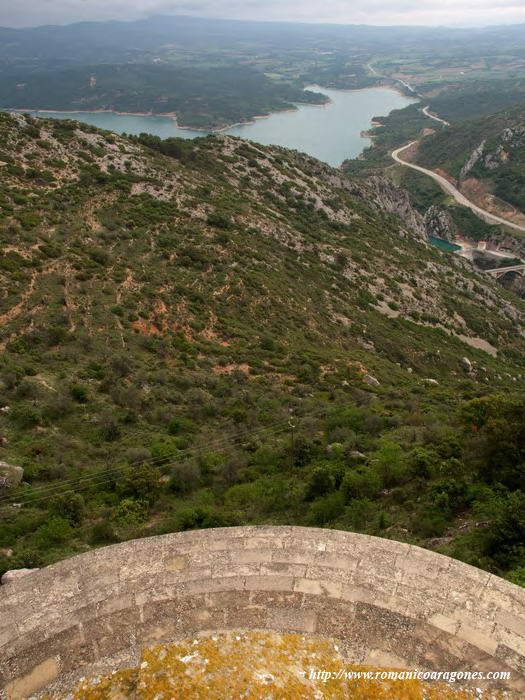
(23, 13)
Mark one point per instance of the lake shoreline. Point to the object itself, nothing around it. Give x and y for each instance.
(173, 115)
(167, 115)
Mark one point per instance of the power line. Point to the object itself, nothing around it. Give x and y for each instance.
(108, 474)
(82, 483)
(230, 439)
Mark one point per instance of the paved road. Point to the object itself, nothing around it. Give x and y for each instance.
(433, 116)
(450, 189)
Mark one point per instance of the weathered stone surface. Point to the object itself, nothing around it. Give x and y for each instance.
(15, 575)
(382, 599)
(10, 476)
(396, 201)
(439, 223)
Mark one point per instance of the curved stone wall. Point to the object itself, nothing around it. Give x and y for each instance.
(389, 603)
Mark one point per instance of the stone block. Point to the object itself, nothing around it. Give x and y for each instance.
(473, 636)
(176, 563)
(226, 583)
(318, 587)
(40, 676)
(269, 583)
(282, 569)
(291, 620)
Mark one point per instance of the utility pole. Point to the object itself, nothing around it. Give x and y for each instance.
(291, 423)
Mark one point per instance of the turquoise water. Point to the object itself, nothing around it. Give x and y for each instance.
(444, 245)
(330, 133)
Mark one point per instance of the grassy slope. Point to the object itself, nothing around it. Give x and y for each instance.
(175, 309)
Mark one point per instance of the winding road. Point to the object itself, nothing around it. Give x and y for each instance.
(449, 188)
(445, 185)
(434, 116)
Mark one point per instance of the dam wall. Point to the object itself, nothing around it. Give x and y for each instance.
(389, 604)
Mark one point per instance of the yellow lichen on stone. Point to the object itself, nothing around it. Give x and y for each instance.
(114, 686)
(258, 666)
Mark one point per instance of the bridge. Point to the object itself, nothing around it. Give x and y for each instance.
(500, 271)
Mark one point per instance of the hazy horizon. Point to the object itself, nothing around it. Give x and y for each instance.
(379, 13)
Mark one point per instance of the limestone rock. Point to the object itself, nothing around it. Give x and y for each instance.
(10, 476)
(439, 224)
(368, 379)
(395, 200)
(14, 574)
(473, 159)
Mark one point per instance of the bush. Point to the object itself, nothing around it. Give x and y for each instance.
(130, 512)
(219, 221)
(422, 462)
(178, 425)
(364, 482)
(103, 533)
(326, 510)
(185, 477)
(142, 482)
(360, 514)
(26, 416)
(79, 393)
(68, 505)
(56, 531)
(320, 482)
(517, 576)
(200, 518)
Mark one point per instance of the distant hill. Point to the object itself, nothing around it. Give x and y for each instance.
(218, 72)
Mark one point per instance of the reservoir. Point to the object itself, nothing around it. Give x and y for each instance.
(331, 132)
(444, 245)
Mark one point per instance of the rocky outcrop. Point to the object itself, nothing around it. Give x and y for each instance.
(372, 381)
(439, 224)
(472, 160)
(381, 194)
(394, 200)
(10, 476)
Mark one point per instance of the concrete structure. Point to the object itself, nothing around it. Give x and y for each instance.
(389, 603)
(500, 271)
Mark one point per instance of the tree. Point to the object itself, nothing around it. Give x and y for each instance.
(496, 424)
(142, 482)
(320, 482)
(68, 505)
(507, 532)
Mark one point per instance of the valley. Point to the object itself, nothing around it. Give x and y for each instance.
(262, 350)
(169, 304)
(262, 354)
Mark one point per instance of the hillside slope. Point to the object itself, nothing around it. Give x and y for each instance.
(166, 305)
(486, 157)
